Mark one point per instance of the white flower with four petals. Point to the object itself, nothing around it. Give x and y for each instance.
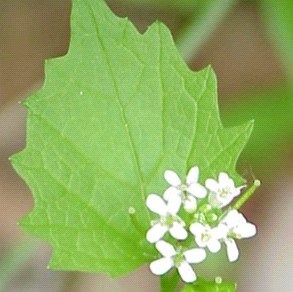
(223, 191)
(232, 226)
(169, 221)
(236, 227)
(205, 236)
(177, 258)
(187, 192)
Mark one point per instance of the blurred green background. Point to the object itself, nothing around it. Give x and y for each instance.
(250, 46)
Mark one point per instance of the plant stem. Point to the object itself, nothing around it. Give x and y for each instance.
(169, 283)
(244, 198)
(201, 27)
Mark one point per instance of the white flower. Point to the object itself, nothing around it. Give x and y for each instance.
(169, 221)
(187, 192)
(177, 258)
(236, 227)
(205, 236)
(222, 191)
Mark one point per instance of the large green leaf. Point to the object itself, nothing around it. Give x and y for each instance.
(117, 111)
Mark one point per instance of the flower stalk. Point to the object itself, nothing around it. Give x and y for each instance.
(246, 196)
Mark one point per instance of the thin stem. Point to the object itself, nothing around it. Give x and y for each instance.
(244, 198)
(169, 283)
(201, 27)
(133, 218)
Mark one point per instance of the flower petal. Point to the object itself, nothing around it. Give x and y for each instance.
(190, 204)
(161, 266)
(212, 185)
(221, 231)
(246, 230)
(171, 192)
(174, 204)
(232, 250)
(156, 204)
(197, 190)
(186, 272)
(225, 180)
(166, 249)
(192, 176)
(156, 232)
(196, 228)
(195, 255)
(178, 231)
(214, 245)
(231, 219)
(172, 178)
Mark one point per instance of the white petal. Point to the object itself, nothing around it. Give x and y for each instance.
(231, 219)
(172, 178)
(156, 204)
(186, 272)
(232, 250)
(221, 231)
(156, 233)
(161, 266)
(246, 230)
(237, 191)
(173, 205)
(225, 180)
(214, 245)
(192, 176)
(178, 231)
(240, 188)
(241, 220)
(166, 249)
(222, 202)
(171, 192)
(190, 204)
(195, 255)
(212, 185)
(197, 190)
(196, 228)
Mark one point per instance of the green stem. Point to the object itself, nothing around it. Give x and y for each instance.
(169, 283)
(244, 198)
(133, 218)
(201, 27)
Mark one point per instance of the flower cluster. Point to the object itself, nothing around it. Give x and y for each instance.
(191, 209)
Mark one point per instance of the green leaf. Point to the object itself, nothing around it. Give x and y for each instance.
(202, 285)
(117, 111)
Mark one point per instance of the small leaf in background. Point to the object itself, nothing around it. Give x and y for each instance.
(210, 286)
(117, 111)
(280, 26)
(272, 111)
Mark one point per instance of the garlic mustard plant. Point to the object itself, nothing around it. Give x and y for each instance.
(235, 226)
(209, 223)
